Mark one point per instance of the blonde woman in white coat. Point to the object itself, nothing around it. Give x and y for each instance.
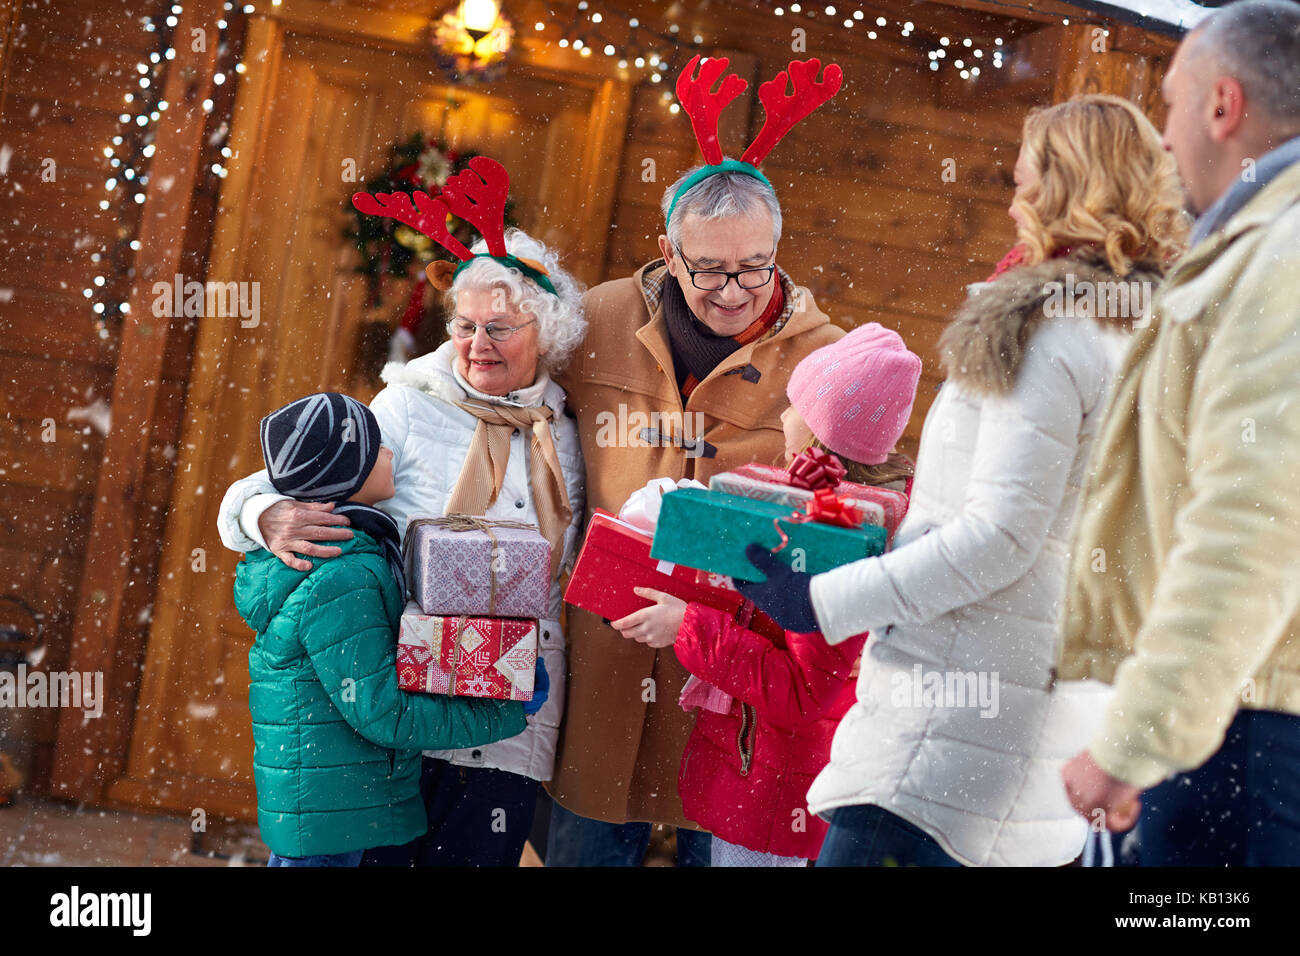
(423, 417)
(952, 753)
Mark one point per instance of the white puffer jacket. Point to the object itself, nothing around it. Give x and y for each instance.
(430, 437)
(969, 598)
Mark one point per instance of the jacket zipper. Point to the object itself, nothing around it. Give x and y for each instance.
(748, 723)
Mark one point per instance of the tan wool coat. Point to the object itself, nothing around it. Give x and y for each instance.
(623, 732)
(1184, 586)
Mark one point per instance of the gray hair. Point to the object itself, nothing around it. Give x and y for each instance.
(1258, 43)
(561, 324)
(717, 197)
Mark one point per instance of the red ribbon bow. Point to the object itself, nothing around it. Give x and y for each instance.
(829, 508)
(816, 468)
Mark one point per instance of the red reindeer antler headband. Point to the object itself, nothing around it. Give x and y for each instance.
(477, 195)
(783, 110)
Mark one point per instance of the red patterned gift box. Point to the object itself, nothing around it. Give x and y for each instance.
(460, 564)
(615, 558)
(466, 656)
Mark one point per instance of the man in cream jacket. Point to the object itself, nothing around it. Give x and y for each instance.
(1184, 587)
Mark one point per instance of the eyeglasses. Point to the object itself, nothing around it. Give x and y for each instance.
(464, 329)
(714, 280)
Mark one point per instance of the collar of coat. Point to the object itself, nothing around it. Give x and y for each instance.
(434, 375)
(983, 346)
(1265, 207)
(652, 276)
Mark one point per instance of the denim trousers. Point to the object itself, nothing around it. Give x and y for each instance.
(581, 841)
(478, 816)
(325, 859)
(1240, 808)
(868, 835)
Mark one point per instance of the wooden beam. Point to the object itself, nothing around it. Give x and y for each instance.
(1041, 11)
(1092, 64)
(83, 747)
(9, 11)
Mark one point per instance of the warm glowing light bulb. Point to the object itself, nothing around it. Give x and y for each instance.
(479, 15)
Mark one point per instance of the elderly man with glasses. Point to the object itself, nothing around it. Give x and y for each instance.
(706, 337)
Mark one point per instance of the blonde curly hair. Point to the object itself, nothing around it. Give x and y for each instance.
(1103, 177)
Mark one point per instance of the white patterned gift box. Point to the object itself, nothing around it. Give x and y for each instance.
(882, 507)
(494, 570)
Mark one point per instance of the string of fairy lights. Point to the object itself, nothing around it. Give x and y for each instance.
(656, 53)
(131, 149)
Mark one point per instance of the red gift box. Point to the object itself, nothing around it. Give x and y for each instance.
(615, 558)
(466, 656)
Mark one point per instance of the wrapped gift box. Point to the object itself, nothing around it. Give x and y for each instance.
(615, 558)
(454, 572)
(709, 530)
(466, 656)
(711, 580)
(880, 506)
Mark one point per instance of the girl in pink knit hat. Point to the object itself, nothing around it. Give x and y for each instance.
(854, 397)
(763, 731)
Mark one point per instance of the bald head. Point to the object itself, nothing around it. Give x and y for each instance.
(1257, 43)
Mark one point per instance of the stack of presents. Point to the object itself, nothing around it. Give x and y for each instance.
(478, 586)
(689, 541)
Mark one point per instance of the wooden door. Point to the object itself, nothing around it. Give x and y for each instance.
(322, 93)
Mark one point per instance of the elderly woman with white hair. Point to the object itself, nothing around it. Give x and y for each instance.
(477, 426)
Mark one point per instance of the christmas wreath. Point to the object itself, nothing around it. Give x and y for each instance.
(388, 248)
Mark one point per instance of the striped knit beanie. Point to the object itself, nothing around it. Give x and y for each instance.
(320, 448)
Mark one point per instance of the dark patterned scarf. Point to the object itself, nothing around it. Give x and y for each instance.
(696, 349)
(383, 529)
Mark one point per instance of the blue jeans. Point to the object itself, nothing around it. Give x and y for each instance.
(581, 841)
(478, 816)
(326, 859)
(868, 835)
(1240, 808)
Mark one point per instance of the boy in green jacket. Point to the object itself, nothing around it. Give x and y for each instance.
(336, 744)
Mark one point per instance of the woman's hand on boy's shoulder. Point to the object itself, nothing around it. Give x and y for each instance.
(291, 527)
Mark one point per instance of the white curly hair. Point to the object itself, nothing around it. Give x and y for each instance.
(560, 321)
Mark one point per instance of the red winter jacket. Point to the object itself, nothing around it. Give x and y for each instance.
(745, 774)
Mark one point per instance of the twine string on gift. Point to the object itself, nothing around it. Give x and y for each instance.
(458, 522)
(461, 623)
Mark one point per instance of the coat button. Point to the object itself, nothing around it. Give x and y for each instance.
(546, 635)
(515, 432)
(476, 754)
(519, 503)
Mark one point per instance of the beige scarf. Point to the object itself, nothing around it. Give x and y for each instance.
(478, 486)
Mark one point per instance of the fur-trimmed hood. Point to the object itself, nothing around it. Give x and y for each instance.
(983, 346)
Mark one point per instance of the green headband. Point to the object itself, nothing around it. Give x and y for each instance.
(704, 172)
(510, 262)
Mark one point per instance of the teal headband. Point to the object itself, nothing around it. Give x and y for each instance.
(510, 262)
(704, 172)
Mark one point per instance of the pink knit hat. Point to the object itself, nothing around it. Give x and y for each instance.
(856, 394)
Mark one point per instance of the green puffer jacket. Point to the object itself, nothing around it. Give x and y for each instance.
(336, 743)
